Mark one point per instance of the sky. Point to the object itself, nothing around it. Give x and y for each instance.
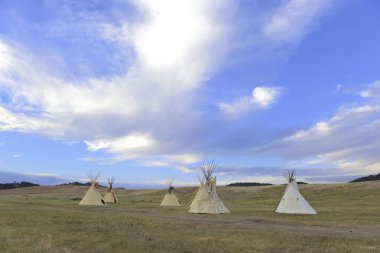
(147, 90)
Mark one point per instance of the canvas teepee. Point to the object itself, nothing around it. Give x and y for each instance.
(93, 196)
(201, 182)
(110, 196)
(170, 198)
(207, 200)
(292, 201)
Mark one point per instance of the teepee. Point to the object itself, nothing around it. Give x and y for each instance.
(201, 182)
(93, 196)
(293, 201)
(170, 198)
(207, 200)
(110, 196)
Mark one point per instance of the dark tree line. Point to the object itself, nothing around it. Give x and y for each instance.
(367, 178)
(248, 184)
(16, 185)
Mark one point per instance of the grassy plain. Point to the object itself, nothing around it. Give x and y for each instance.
(48, 219)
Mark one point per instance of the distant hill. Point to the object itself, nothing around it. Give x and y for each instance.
(248, 184)
(14, 185)
(367, 178)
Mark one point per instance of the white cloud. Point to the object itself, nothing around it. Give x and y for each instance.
(173, 32)
(262, 97)
(124, 148)
(185, 169)
(318, 129)
(174, 51)
(43, 174)
(265, 96)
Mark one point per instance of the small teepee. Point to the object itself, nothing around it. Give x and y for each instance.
(170, 198)
(93, 196)
(207, 200)
(110, 196)
(292, 201)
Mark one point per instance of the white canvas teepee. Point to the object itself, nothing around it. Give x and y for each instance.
(110, 196)
(207, 200)
(292, 201)
(93, 196)
(201, 182)
(170, 198)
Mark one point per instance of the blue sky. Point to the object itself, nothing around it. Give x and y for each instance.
(146, 90)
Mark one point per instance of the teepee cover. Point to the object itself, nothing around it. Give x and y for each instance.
(110, 196)
(201, 182)
(170, 198)
(93, 196)
(207, 200)
(292, 201)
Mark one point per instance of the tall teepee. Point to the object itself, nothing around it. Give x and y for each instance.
(110, 196)
(93, 196)
(170, 198)
(207, 200)
(293, 201)
(201, 183)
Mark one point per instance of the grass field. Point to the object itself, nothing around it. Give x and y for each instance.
(48, 219)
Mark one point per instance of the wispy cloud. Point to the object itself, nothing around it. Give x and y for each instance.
(12, 121)
(371, 91)
(346, 141)
(171, 45)
(176, 183)
(293, 20)
(39, 178)
(130, 142)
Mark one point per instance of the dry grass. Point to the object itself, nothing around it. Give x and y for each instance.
(46, 219)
